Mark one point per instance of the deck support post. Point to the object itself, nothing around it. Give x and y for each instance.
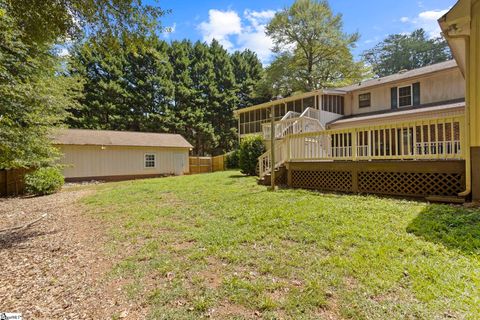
(272, 147)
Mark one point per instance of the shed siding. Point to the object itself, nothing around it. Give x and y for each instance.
(439, 87)
(93, 161)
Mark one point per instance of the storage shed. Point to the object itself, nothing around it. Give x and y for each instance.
(119, 155)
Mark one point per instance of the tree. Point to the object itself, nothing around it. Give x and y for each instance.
(407, 51)
(127, 83)
(313, 47)
(34, 88)
(248, 71)
(137, 82)
(42, 21)
(200, 112)
(224, 98)
(33, 98)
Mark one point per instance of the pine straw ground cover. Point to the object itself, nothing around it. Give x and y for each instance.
(220, 246)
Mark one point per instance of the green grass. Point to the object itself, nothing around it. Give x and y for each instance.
(219, 245)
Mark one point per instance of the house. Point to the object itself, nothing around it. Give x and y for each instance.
(116, 155)
(461, 28)
(398, 135)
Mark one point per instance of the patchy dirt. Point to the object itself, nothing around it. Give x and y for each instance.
(57, 268)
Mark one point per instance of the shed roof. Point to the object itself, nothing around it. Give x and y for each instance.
(450, 64)
(119, 138)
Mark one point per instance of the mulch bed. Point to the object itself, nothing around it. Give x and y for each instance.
(57, 268)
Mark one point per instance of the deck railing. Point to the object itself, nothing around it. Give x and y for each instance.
(429, 139)
(311, 120)
(265, 162)
(425, 139)
(292, 126)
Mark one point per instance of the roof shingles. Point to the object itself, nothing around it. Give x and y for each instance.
(119, 138)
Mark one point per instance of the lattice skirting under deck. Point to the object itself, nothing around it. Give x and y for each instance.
(402, 178)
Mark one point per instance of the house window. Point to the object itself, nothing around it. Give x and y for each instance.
(364, 100)
(150, 160)
(405, 96)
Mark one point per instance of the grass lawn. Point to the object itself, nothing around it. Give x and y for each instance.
(220, 246)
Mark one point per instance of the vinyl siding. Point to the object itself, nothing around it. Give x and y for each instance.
(92, 161)
(439, 87)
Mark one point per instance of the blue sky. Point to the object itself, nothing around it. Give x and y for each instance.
(240, 24)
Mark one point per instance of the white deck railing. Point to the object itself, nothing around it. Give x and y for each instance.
(427, 139)
(292, 126)
(310, 120)
(432, 139)
(265, 162)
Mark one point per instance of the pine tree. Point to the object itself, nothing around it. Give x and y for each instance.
(147, 80)
(248, 72)
(224, 99)
(180, 55)
(127, 84)
(200, 112)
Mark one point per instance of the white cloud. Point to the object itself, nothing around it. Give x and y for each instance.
(426, 20)
(240, 33)
(432, 15)
(221, 25)
(253, 36)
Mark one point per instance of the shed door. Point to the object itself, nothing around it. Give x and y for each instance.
(179, 160)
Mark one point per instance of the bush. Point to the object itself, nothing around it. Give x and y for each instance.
(251, 148)
(232, 160)
(44, 181)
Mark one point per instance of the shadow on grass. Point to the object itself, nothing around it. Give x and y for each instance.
(238, 176)
(454, 227)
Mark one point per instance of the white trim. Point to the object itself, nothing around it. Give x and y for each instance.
(154, 160)
(411, 96)
(369, 100)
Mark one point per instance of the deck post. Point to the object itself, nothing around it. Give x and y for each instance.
(272, 147)
(354, 144)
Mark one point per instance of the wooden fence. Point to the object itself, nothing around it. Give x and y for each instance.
(12, 182)
(207, 164)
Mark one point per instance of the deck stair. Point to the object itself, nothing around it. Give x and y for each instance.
(280, 177)
(310, 120)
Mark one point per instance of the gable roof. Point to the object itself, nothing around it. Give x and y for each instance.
(450, 64)
(447, 65)
(119, 138)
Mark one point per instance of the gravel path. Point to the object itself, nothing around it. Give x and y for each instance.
(56, 269)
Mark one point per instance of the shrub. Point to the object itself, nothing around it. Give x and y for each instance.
(251, 148)
(44, 181)
(232, 160)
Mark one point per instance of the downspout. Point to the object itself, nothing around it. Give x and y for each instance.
(468, 163)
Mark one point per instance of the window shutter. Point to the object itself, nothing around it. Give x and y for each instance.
(394, 98)
(416, 94)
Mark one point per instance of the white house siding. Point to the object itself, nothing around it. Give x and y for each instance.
(438, 87)
(97, 161)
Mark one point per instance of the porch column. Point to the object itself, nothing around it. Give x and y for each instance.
(473, 93)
